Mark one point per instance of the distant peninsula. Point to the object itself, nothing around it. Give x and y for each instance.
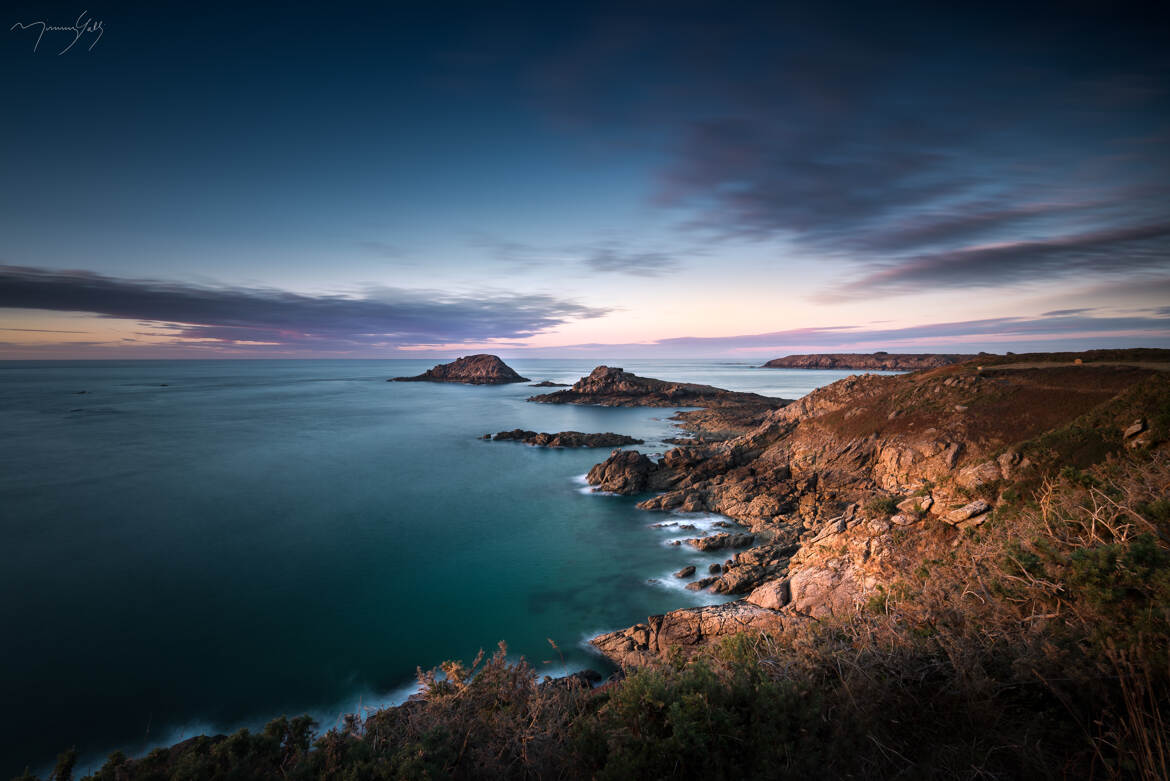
(480, 369)
(879, 361)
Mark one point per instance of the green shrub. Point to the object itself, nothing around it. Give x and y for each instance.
(881, 505)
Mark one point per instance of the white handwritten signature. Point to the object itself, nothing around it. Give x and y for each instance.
(84, 25)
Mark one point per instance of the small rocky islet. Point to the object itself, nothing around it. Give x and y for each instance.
(479, 369)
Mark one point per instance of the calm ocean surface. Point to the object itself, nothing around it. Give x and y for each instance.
(196, 546)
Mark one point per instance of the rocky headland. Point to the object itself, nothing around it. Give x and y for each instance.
(835, 486)
(480, 369)
(564, 439)
(879, 361)
(721, 413)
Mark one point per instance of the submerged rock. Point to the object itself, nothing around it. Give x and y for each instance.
(473, 370)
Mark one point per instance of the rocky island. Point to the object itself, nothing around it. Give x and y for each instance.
(480, 369)
(565, 439)
(879, 361)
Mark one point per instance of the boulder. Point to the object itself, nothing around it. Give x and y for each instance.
(968, 515)
(686, 571)
(700, 584)
(772, 595)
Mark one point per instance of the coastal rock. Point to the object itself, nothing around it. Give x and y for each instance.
(719, 541)
(824, 590)
(611, 386)
(686, 571)
(686, 629)
(969, 515)
(479, 369)
(566, 439)
(629, 472)
(979, 475)
(772, 595)
(549, 384)
(702, 583)
(879, 361)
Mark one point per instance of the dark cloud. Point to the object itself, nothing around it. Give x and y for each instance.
(1066, 312)
(381, 317)
(1115, 251)
(891, 137)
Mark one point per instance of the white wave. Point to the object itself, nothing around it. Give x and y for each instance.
(668, 582)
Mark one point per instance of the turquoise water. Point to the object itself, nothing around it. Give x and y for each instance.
(195, 546)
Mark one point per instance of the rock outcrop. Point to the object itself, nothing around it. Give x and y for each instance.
(879, 361)
(719, 541)
(630, 472)
(473, 370)
(686, 628)
(566, 439)
(610, 386)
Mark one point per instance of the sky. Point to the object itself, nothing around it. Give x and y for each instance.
(706, 179)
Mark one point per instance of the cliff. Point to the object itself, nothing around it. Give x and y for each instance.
(829, 482)
(474, 370)
(880, 361)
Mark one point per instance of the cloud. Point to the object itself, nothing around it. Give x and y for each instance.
(1113, 251)
(1066, 312)
(871, 140)
(383, 317)
(609, 259)
(1044, 332)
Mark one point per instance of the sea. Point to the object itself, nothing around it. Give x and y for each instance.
(191, 547)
